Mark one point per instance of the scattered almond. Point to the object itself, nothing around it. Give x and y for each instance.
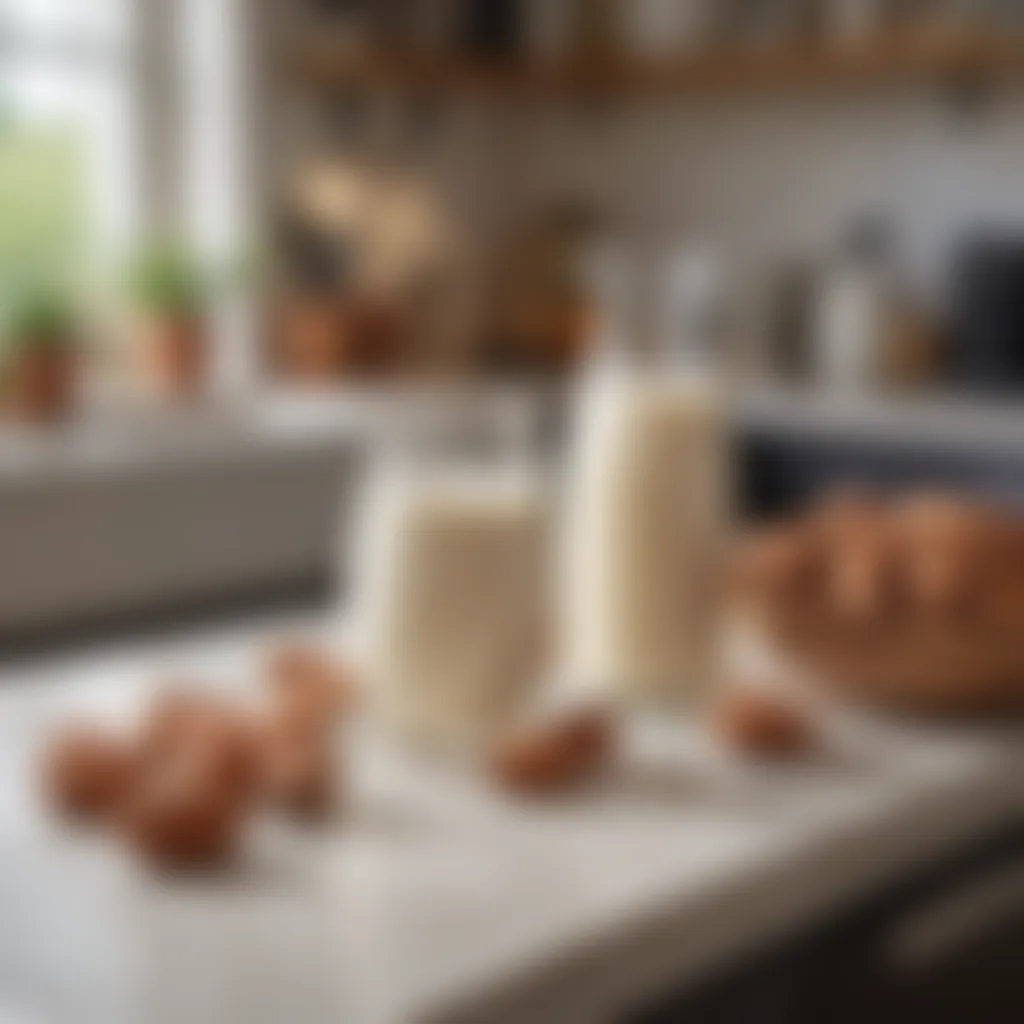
(182, 815)
(86, 771)
(309, 683)
(555, 755)
(761, 724)
(295, 771)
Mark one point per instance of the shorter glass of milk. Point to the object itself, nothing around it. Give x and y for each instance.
(451, 610)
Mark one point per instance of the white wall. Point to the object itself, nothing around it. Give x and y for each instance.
(777, 176)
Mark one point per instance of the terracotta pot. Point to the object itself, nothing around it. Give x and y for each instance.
(378, 337)
(570, 329)
(312, 339)
(41, 385)
(175, 355)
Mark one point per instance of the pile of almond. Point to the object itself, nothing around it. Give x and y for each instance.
(180, 790)
(915, 603)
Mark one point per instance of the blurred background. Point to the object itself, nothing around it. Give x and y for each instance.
(247, 246)
(232, 233)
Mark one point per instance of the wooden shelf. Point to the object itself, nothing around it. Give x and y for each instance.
(882, 62)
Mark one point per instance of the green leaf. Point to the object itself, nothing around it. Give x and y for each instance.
(166, 278)
(38, 315)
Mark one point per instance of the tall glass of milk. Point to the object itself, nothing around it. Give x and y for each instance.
(451, 569)
(647, 505)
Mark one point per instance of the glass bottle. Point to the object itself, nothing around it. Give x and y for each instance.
(647, 507)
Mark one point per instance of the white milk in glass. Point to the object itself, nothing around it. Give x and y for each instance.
(452, 598)
(647, 507)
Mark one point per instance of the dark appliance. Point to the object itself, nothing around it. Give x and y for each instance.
(987, 350)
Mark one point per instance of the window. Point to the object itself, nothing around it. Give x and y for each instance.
(67, 177)
(118, 119)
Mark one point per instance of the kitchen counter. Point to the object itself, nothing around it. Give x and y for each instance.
(432, 898)
(156, 511)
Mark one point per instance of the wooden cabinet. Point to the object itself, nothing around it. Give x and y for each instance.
(944, 947)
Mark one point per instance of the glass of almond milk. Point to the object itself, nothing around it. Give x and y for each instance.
(451, 593)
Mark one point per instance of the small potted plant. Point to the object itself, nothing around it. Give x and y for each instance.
(171, 292)
(311, 336)
(40, 351)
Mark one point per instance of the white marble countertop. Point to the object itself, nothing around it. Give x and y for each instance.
(431, 898)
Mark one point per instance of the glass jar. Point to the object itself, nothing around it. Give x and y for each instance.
(451, 568)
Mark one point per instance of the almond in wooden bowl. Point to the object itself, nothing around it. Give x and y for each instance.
(863, 576)
(844, 513)
(938, 581)
(944, 543)
(920, 665)
(780, 562)
(956, 550)
(860, 565)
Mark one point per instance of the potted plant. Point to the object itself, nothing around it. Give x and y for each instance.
(171, 292)
(40, 352)
(312, 341)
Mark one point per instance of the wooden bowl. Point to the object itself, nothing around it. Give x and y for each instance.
(921, 608)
